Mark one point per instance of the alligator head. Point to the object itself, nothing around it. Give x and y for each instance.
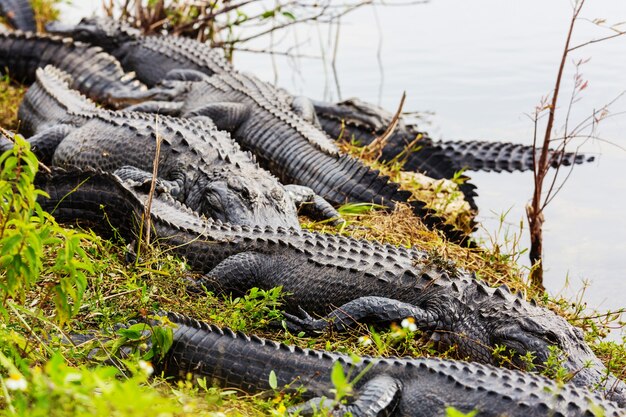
(237, 199)
(106, 33)
(500, 318)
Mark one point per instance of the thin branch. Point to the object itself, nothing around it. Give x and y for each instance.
(278, 53)
(379, 52)
(615, 35)
(155, 171)
(333, 62)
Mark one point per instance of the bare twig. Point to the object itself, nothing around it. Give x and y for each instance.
(155, 171)
(334, 60)
(377, 145)
(615, 35)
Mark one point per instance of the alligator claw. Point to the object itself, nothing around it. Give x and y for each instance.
(195, 286)
(305, 323)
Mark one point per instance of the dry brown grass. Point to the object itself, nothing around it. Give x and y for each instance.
(443, 196)
(11, 96)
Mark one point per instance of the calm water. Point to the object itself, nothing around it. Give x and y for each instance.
(480, 67)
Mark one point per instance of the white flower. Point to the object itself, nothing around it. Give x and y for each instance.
(365, 341)
(409, 323)
(146, 367)
(16, 382)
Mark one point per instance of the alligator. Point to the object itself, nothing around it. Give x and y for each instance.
(94, 72)
(152, 58)
(364, 122)
(199, 164)
(343, 279)
(387, 386)
(19, 14)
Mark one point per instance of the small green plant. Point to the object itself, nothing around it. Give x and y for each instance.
(254, 310)
(553, 366)
(453, 412)
(58, 389)
(27, 234)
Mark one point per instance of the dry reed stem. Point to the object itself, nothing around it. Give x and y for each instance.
(377, 145)
(155, 171)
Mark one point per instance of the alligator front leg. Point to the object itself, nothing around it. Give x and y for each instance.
(378, 397)
(242, 271)
(139, 178)
(226, 115)
(303, 107)
(312, 205)
(166, 92)
(181, 74)
(372, 310)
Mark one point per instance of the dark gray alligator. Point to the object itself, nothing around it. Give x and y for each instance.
(388, 386)
(94, 72)
(199, 164)
(290, 147)
(343, 278)
(364, 122)
(357, 121)
(19, 14)
(151, 57)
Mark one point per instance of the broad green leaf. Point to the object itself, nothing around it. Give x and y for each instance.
(273, 380)
(337, 376)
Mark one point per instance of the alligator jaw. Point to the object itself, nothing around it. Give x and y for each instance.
(59, 28)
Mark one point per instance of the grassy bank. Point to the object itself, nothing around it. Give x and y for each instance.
(58, 280)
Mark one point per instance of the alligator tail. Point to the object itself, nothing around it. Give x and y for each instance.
(94, 198)
(19, 14)
(366, 184)
(427, 159)
(50, 102)
(502, 156)
(342, 178)
(95, 73)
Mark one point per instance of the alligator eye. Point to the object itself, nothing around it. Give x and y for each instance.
(213, 201)
(551, 338)
(235, 184)
(276, 193)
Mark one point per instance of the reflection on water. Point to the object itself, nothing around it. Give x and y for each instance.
(481, 66)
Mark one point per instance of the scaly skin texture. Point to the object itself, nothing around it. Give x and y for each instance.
(95, 73)
(367, 281)
(205, 168)
(151, 57)
(355, 120)
(291, 148)
(19, 14)
(391, 386)
(438, 159)
(261, 120)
